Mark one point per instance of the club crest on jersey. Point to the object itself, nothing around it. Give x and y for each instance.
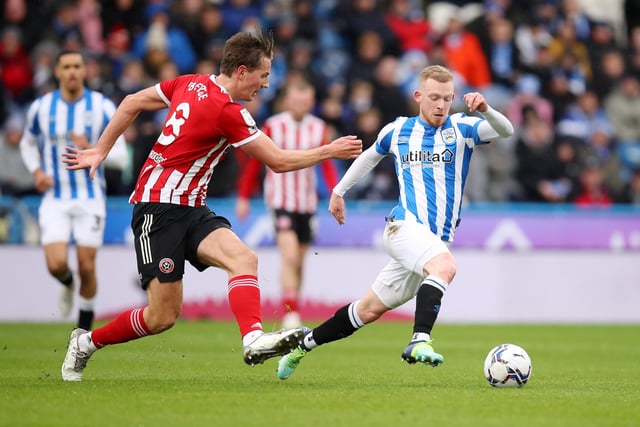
(248, 119)
(166, 265)
(448, 135)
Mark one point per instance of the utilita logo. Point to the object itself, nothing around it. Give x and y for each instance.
(425, 159)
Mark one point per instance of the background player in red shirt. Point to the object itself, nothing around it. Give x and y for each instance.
(291, 197)
(171, 222)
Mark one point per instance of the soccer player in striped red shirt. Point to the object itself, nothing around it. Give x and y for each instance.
(292, 197)
(171, 221)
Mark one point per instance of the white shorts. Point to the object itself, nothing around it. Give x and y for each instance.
(85, 218)
(411, 246)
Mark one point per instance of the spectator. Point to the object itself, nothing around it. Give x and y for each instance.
(409, 26)
(308, 27)
(122, 14)
(565, 43)
(369, 51)
(33, 19)
(235, 14)
(611, 69)
(502, 53)
(464, 55)
(601, 42)
(623, 108)
(631, 192)
(88, 13)
(529, 37)
(593, 191)
(536, 173)
(66, 26)
(15, 66)
(366, 16)
(573, 12)
(584, 117)
(527, 93)
(209, 31)
(15, 179)
(163, 41)
(601, 146)
(387, 96)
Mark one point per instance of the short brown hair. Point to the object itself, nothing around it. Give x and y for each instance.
(246, 48)
(67, 52)
(436, 72)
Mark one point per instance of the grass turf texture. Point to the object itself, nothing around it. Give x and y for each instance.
(193, 375)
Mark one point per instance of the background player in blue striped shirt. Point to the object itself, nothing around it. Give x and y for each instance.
(431, 152)
(73, 206)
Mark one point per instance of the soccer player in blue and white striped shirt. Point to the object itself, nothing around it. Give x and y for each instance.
(431, 152)
(72, 204)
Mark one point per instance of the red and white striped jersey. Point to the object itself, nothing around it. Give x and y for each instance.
(294, 191)
(201, 123)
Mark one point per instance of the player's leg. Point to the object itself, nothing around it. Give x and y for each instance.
(161, 313)
(222, 248)
(304, 226)
(417, 249)
(291, 259)
(88, 224)
(88, 285)
(342, 324)
(160, 251)
(55, 234)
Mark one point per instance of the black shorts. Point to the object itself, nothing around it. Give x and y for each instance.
(303, 224)
(166, 235)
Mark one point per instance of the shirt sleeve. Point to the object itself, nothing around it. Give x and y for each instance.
(358, 169)
(237, 125)
(29, 149)
(495, 125)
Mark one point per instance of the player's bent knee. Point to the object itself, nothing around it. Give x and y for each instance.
(161, 324)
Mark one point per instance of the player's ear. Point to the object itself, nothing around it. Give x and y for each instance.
(417, 96)
(242, 70)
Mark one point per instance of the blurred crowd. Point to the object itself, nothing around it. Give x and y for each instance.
(566, 72)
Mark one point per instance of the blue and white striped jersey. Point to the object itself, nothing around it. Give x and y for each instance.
(50, 123)
(432, 165)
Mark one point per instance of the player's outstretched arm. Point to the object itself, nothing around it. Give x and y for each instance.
(279, 160)
(498, 124)
(126, 113)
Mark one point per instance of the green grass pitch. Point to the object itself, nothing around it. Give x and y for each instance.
(193, 375)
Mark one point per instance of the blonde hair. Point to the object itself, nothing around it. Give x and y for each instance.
(436, 72)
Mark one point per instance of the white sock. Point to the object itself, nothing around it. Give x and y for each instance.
(308, 343)
(420, 336)
(86, 304)
(85, 343)
(251, 337)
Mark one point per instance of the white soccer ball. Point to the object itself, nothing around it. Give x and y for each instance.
(507, 365)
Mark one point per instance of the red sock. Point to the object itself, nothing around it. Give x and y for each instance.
(244, 299)
(289, 300)
(126, 327)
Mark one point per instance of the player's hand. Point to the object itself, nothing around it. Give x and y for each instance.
(336, 207)
(42, 181)
(82, 159)
(242, 208)
(475, 102)
(346, 147)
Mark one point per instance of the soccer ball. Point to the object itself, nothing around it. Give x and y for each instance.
(507, 365)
